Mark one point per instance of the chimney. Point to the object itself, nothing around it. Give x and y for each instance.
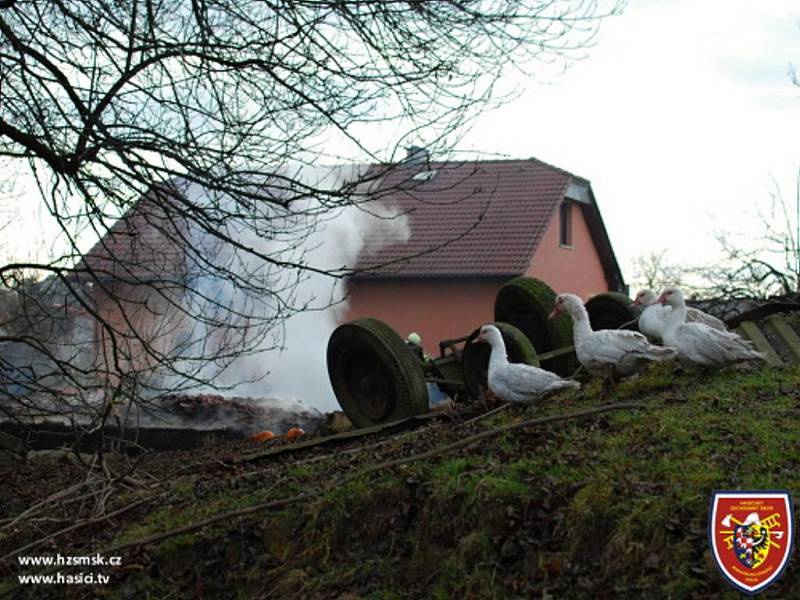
(417, 155)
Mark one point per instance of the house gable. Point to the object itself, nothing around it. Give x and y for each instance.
(146, 245)
(467, 219)
(576, 268)
(489, 219)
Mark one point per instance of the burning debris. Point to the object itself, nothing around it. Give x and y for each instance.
(244, 415)
(266, 436)
(171, 422)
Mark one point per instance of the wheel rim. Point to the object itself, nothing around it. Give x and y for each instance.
(610, 311)
(368, 383)
(534, 328)
(375, 375)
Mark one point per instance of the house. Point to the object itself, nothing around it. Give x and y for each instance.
(134, 278)
(474, 225)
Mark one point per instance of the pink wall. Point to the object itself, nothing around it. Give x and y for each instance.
(576, 269)
(435, 309)
(144, 320)
(445, 309)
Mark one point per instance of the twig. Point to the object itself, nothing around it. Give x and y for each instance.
(467, 441)
(210, 521)
(52, 498)
(40, 520)
(339, 437)
(78, 525)
(490, 413)
(379, 467)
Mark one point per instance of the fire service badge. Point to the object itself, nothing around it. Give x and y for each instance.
(751, 536)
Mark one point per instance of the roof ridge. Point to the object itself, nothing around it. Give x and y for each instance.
(480, 161)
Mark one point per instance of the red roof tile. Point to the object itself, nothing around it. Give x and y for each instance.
(147, 244)
(470, 219)
(482, 218)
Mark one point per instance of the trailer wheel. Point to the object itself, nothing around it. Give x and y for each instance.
(525, 303)
(475, 358)
(611, 310)
(376, 377)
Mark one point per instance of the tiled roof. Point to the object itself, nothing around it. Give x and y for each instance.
(147, 244)
(477, 218)
(482, 218)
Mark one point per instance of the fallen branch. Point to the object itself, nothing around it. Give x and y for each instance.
(339, 437)
(210, 521)
(379, 467)
(467, 441)
(487, 414)
(50, 499)
(78, 525)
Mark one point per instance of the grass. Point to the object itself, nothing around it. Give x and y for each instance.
(614, 504)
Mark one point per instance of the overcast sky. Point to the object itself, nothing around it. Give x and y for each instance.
(680, 116)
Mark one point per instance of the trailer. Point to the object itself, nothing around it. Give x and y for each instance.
(378, 376)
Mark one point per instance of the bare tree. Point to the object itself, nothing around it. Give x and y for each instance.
(654, 271)
(771, 266)
(192, 118)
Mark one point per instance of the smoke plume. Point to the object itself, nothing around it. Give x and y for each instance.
(288, 363)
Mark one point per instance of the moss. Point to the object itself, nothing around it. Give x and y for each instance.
(502, 487)
(383, 594)
(591, 512)
(174, 516)
(618, 502)
(447, 477)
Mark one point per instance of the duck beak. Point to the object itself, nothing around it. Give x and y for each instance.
(635, 303)
(555, 313)
(662, 299)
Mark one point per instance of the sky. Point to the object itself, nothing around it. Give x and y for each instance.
(681, 116)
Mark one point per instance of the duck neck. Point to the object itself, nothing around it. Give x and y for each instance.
(675, 318)
(498, 356)
(580, 324)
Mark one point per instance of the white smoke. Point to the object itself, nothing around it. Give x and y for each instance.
(289, 364)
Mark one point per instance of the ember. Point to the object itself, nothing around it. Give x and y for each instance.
(177, 421)
(262, 436)
(246, 415)
(294, 432)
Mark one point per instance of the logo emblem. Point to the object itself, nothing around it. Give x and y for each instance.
(751, 536)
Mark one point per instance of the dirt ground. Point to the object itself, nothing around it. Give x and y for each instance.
(600, 505)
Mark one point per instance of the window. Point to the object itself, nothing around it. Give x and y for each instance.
(565, 235)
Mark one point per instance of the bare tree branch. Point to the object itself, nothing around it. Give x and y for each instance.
(205, 124)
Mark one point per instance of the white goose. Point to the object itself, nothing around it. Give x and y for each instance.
(653, 318)
(700, 344)
(610, 353)
(513, 382)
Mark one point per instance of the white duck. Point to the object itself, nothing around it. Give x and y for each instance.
(698, 343)
(516, 382)
(653, 318)
(610, 353)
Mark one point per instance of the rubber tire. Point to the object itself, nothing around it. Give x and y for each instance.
(525, 303)
(611, 310)
(388, 362)
(475, 357)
